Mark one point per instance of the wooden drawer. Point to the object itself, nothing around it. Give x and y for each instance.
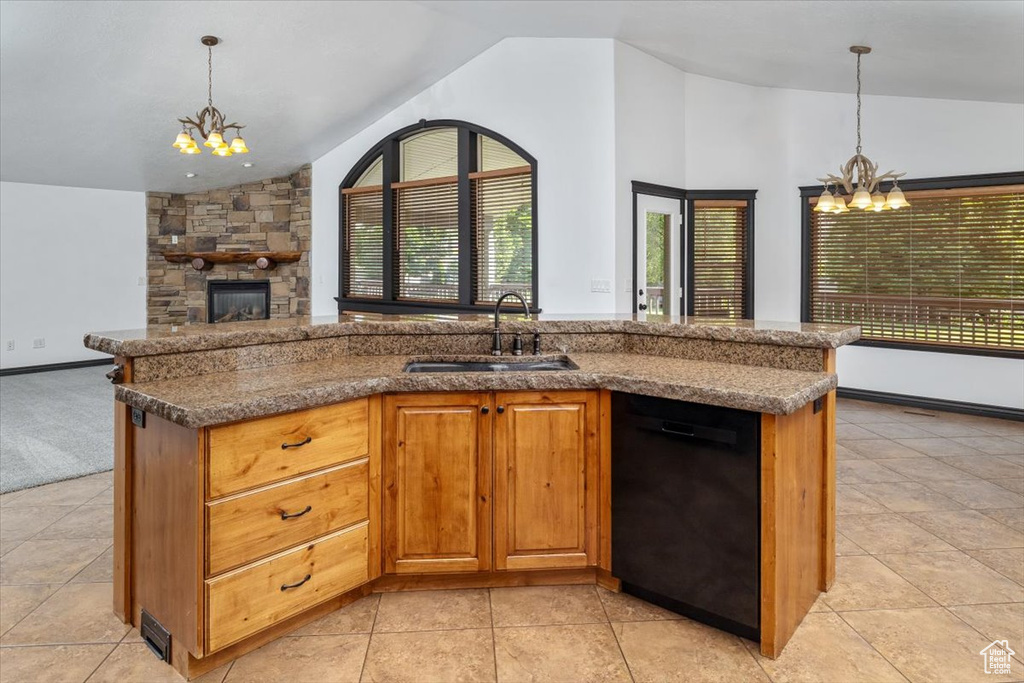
(247, 526)
(250, 599)
(250, 454)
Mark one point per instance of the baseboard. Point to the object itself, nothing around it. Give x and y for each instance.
(926, 403)
(26, 369)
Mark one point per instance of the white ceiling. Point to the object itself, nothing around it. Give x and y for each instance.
(89, 91)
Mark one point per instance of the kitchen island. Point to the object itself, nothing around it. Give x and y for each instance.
(268, 473)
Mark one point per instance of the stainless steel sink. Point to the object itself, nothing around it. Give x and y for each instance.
(548, 365)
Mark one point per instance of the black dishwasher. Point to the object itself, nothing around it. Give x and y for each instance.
(686, 508)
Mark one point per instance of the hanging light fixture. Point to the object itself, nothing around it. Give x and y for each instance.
(209, 122)
(858, 176)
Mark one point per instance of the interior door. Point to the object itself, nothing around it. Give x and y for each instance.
(659, 256)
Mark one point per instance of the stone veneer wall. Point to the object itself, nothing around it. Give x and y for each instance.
(268, 215)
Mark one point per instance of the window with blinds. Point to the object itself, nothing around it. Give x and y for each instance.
(720, 254)
(442, 219)
(947, 272)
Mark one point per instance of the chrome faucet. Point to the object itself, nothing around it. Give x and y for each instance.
(517, 344)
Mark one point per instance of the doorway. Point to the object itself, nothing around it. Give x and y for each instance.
(658, 286)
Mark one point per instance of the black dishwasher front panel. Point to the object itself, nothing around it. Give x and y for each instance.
(686, 508)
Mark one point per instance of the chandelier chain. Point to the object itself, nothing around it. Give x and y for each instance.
(209, 84)
(858, 103)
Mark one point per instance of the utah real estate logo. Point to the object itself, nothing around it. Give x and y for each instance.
(997, 657)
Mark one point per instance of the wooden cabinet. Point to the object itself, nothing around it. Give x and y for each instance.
(545, 485)
(437, 482)
(439, 450)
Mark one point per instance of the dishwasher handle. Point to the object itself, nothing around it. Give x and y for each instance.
(683, 430)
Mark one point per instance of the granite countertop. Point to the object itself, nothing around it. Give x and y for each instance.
(203, 336)
(231, 396)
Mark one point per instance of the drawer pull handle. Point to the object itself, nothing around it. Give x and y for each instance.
(293, 515)
(296, 445)
(286, 586)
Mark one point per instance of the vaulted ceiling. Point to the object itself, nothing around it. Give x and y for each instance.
(90, 91)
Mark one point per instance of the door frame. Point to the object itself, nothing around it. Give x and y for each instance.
(654, 190)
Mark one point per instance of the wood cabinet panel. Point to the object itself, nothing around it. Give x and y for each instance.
(245, 455)
(247, 600)
(247, 526)
(546, 466)
(437, 474)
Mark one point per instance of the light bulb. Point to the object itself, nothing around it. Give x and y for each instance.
(238, 146)
(878, 201)
(183, 140)
(191, 149)
(861, 199)
(215, 140)
(896, 200)
(223, 151)
(840, 205)
(826, 202)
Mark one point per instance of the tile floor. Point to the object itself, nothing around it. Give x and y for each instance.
(930, 570)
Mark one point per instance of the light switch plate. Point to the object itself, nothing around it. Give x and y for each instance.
(600, 286)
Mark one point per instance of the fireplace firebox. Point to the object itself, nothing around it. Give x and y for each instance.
(234, 301)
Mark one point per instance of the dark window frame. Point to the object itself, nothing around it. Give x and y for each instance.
(936, 183)
(389, 149)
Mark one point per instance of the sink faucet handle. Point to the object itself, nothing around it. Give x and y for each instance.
(517, 344)
(536, 343)
(496, 346)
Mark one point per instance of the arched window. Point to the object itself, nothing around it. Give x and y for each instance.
(439, 216)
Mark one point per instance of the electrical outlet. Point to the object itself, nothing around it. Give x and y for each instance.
(627, 285)
(600, 286)
(174, 239)
(10, 344)
(39, 343)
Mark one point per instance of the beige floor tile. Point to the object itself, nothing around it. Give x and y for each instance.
(88, 521)
(77, 613)
(21, 523)
(544, 605)
(978, 494)
(899, 430)
(954, 578)
(995, 622)
(1012, 518)
(1007, 561)
(883, 449)
(819, 605)
(623, 607)
(844, 453)
(1016, 485)
(583, 652)
(866, 417)
(966, 529)
(100, 570)
(852, 432)
(986, 466)
(49, 561)
(355, 618)
(325, 659)
(992, 445)
(7, 499)
(440, 656)
(1016, 458)
(134, 662)
(851, 501)
(684, 651)
(925, 469)
(1007, 428)
(51, 664)
(889, 533)
(938, 447)
(863, 582)
(8, 546)
(865, 472)
(433, 610)
(908, 497)
(103, 498)
(16, 602)
(951, 428)
(71, 492)
(925, 644)
(844, 546)
(825, 645)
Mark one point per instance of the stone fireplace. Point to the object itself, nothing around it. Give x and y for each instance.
(266, 216)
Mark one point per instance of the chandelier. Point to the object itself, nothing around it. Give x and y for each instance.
(209, 122)
(859, 175)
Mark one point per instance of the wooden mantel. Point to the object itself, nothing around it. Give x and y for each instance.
(205, 260)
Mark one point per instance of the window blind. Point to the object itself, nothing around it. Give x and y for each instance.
(502, 219)
(947, 271)
(426, 224)
(363, 252)
(719, 278)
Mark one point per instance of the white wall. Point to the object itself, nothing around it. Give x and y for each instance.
(70, 263)
(649, 145)
(554, 98)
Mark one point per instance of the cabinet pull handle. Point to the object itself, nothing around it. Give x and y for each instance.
(286, 586)
(292, 515)
(485, 410)
(501, 409)
(296, 445)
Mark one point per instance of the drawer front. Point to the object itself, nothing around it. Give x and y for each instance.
(250, 454)
(255, 597)
(248, 526)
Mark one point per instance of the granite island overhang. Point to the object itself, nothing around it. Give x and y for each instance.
(220, 430)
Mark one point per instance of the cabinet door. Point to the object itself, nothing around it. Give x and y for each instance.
(437, 482)
(545, 489)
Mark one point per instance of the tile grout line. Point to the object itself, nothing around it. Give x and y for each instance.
(618, 644)
(872, 646)
(494, 636)
(369, 641)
